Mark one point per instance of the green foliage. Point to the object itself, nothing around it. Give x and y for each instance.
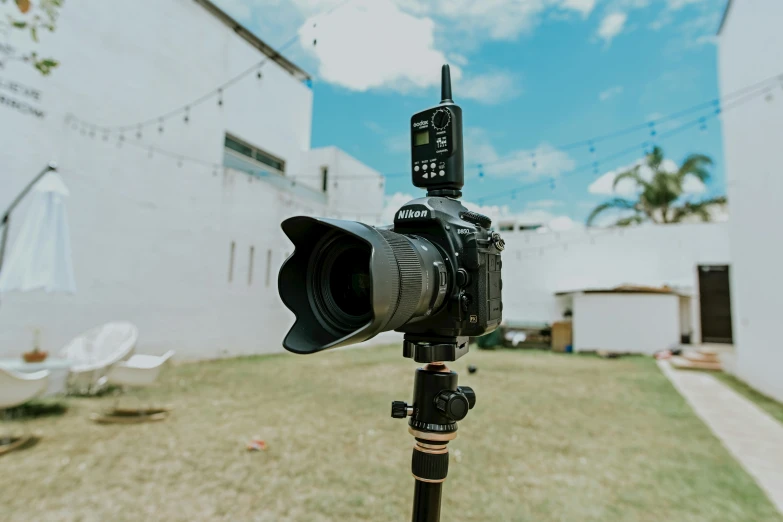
(659, 199)
(43, 16)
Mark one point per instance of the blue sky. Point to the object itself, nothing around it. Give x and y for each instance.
(530, 75)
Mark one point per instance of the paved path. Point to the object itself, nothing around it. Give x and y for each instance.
(754, 438)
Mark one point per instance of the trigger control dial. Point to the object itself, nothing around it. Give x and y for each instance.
(441, 119)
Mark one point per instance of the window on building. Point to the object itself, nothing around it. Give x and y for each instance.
(324, 178)
(268, 266)
(253, 156)
(250, 266)
(231, 262)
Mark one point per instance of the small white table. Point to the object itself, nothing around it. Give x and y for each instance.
(58, 372)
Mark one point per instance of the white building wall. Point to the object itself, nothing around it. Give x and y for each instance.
(750, 46)
(151, 240)
(537, 265)
(355, 190)
(633, 323)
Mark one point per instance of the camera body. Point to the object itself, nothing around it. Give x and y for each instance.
(434, 275)
(471, 254)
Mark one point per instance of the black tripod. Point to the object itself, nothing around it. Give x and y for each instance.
(438, 403)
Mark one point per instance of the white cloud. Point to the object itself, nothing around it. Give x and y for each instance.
(585, 7)
(489, 88)
(494, 212)
(603, 184)
(526, 164)
(611, 26)
(364, 45)
(610, 93)
(495, 19)
(370, 45)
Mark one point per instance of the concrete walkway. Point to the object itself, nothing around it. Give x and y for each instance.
(754, 438)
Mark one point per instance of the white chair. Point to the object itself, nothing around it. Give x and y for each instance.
(95, 351)
(17, 388)
(138, 371)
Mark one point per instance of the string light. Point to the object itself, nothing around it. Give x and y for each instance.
(186, 119)
(220, 97)
(653, 132)
(258, 74)
(160, 126)
(703, 124)
(138, 133)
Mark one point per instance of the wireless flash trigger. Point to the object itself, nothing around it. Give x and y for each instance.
(436, 145)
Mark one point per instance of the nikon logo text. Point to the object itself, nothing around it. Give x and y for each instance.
(409, 214)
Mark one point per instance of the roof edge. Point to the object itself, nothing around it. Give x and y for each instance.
(724, 17)
(244, 33)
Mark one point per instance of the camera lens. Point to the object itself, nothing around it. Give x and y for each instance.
(340, 284)
(347, 282)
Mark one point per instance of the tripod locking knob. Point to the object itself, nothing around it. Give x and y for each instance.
(469, 394)
(399, 409)
(452, 404)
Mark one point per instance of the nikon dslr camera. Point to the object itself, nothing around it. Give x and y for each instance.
(435, 274)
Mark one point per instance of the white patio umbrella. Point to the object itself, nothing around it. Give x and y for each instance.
(40, 258)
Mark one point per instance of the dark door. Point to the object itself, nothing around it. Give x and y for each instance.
(715, 304)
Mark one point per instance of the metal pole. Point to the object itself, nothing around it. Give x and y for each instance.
(6, 221)
(426, 501)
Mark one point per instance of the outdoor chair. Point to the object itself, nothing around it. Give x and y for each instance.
(138, 371)
(94, 352)
(17, 388)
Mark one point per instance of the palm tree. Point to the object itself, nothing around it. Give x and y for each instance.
(658, 197)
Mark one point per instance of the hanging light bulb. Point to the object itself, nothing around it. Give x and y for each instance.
(138, 133)
(186, 119)
(592, 148)
(653, 132)
(703, 124)
(480, 172)
(105, 135)
(258, 74)
(220, 97)
(533, 161)
(595, 167)
(92, 132)
(160, 126)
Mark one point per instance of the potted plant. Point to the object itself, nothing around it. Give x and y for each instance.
(36, 355)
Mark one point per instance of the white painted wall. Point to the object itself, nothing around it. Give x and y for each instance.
(634, 323)
(355, 190)
(537, 265)
(151, 240)
(750, 51)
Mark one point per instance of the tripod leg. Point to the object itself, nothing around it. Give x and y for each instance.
(426, 501)
(430, 465)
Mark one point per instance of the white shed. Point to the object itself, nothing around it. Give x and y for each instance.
(628, 319)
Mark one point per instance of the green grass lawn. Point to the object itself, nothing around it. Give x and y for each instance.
(771, 406)
(552, 438)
